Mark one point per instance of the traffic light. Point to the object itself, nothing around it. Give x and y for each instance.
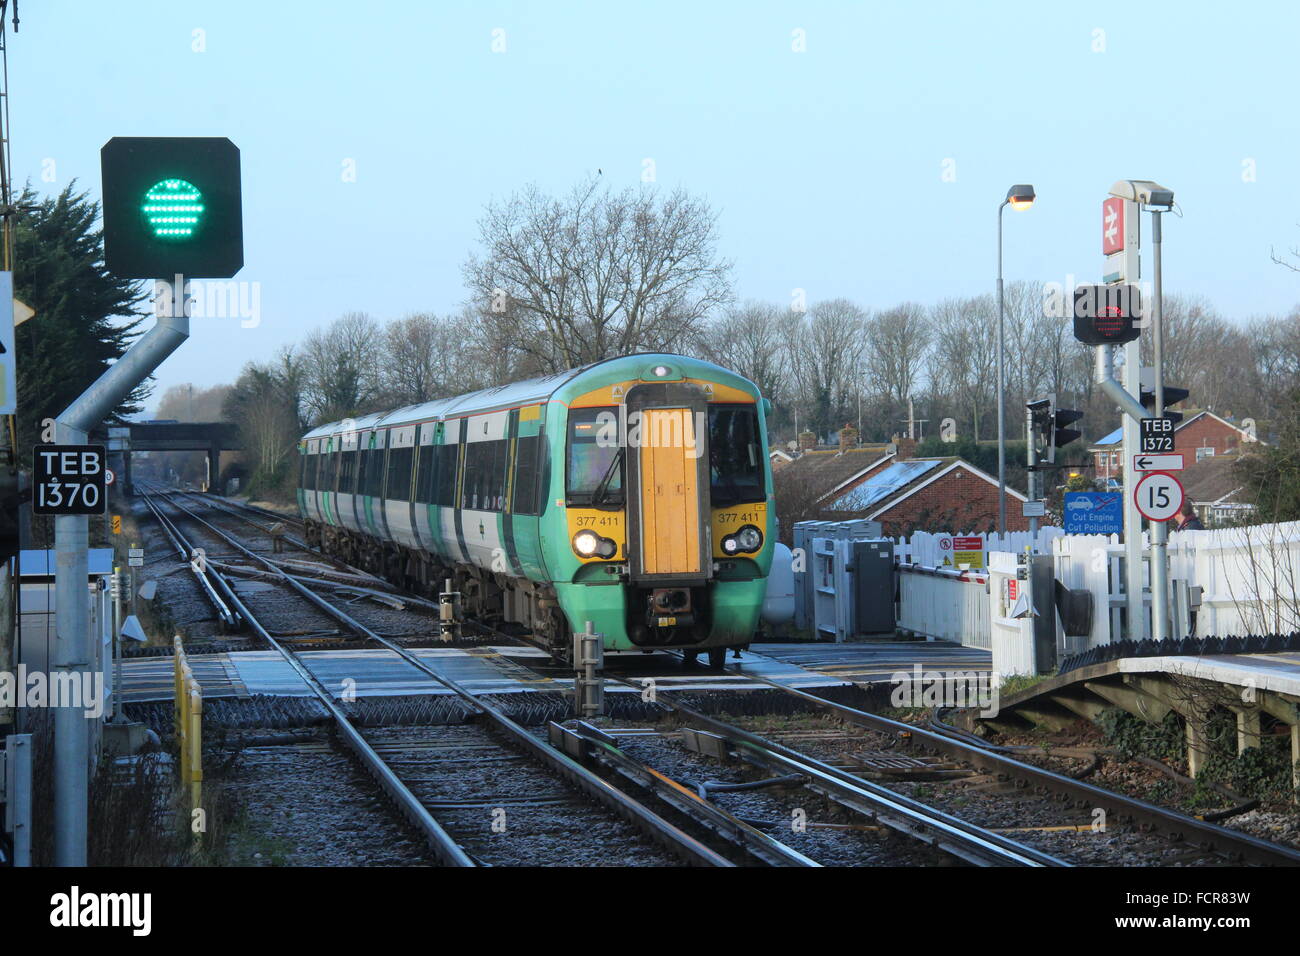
(1040, 415)
(1062, 435)
(1107, 314)
(172, 205)
(1173, 396)
(1050, 423)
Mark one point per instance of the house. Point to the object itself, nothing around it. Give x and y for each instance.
(1203, 435)
(926, 494)
(1215, 491)
(887, 484)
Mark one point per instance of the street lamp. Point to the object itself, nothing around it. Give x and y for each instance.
(1020, 196)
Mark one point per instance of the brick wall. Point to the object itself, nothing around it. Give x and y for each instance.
(957, 502)
(1206, 432)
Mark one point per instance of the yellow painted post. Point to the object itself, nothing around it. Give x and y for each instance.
(196, 746)
(176, 693)
(189, 726)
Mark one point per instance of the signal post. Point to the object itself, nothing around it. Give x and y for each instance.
(1109, 315)
(172, 207)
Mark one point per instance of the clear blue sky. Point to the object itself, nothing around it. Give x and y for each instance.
(826, 166)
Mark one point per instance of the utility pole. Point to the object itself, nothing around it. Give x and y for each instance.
(1031, 459)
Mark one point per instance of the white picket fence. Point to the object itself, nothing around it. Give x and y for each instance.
(1249, 576)
(1249, 579)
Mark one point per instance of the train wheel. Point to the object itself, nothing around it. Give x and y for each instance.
(559, 638)
(717, 657)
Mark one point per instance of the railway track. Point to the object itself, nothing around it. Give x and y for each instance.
(874, 793)
(581, 805)
(746, 844)
(1200, 840)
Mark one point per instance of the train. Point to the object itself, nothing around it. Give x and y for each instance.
(634, 494)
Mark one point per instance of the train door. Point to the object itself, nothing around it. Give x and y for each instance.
(668, 507)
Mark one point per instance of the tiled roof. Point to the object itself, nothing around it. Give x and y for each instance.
(1210, 479)
(885, 483)
(824, 470)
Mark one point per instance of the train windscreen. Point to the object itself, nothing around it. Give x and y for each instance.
(735, 456)
(595, 467)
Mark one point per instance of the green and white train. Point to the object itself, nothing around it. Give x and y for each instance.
(634, 493)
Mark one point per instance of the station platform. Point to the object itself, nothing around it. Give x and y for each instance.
(510, 669)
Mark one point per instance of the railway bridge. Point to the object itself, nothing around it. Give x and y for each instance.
(210, 437)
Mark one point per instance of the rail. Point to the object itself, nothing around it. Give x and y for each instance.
(692, 850)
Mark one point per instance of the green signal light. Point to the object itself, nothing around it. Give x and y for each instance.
(173, 209)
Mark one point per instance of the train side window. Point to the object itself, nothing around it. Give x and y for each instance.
(348, 471)
(399, 474)
(477, 462)
(485, 475)
(424, 475)
(375, 473)
(363, 462)
(328, 470)
(444, 490)
(309, 472)
(525, 490)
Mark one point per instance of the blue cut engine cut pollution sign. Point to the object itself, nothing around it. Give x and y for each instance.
(1094, 512)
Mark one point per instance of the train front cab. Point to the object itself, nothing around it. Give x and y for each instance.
(667, 495)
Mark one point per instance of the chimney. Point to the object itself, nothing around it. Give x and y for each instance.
(848, 437)
(906, 448)
(807, 440)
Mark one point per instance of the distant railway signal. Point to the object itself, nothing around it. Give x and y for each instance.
(1172, 396)
(1061, 434)
(1052, 424)
(172, 205)
(1107, 314)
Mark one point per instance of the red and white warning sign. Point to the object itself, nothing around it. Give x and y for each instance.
(1158, 496)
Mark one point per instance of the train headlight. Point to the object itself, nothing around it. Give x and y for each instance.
(586, 543)
(730, 544)
(749, 538)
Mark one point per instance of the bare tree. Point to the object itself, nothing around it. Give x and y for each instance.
(898, 340)
(265, 402)
(341, 367)
(749, 340)
(428, 357)
(824, 350)
(597, 273)
(963, 356)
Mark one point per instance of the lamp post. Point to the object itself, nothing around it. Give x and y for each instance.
(1020, 196)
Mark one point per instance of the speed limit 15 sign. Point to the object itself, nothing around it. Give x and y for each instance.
(1158, 496)
(69, 480)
